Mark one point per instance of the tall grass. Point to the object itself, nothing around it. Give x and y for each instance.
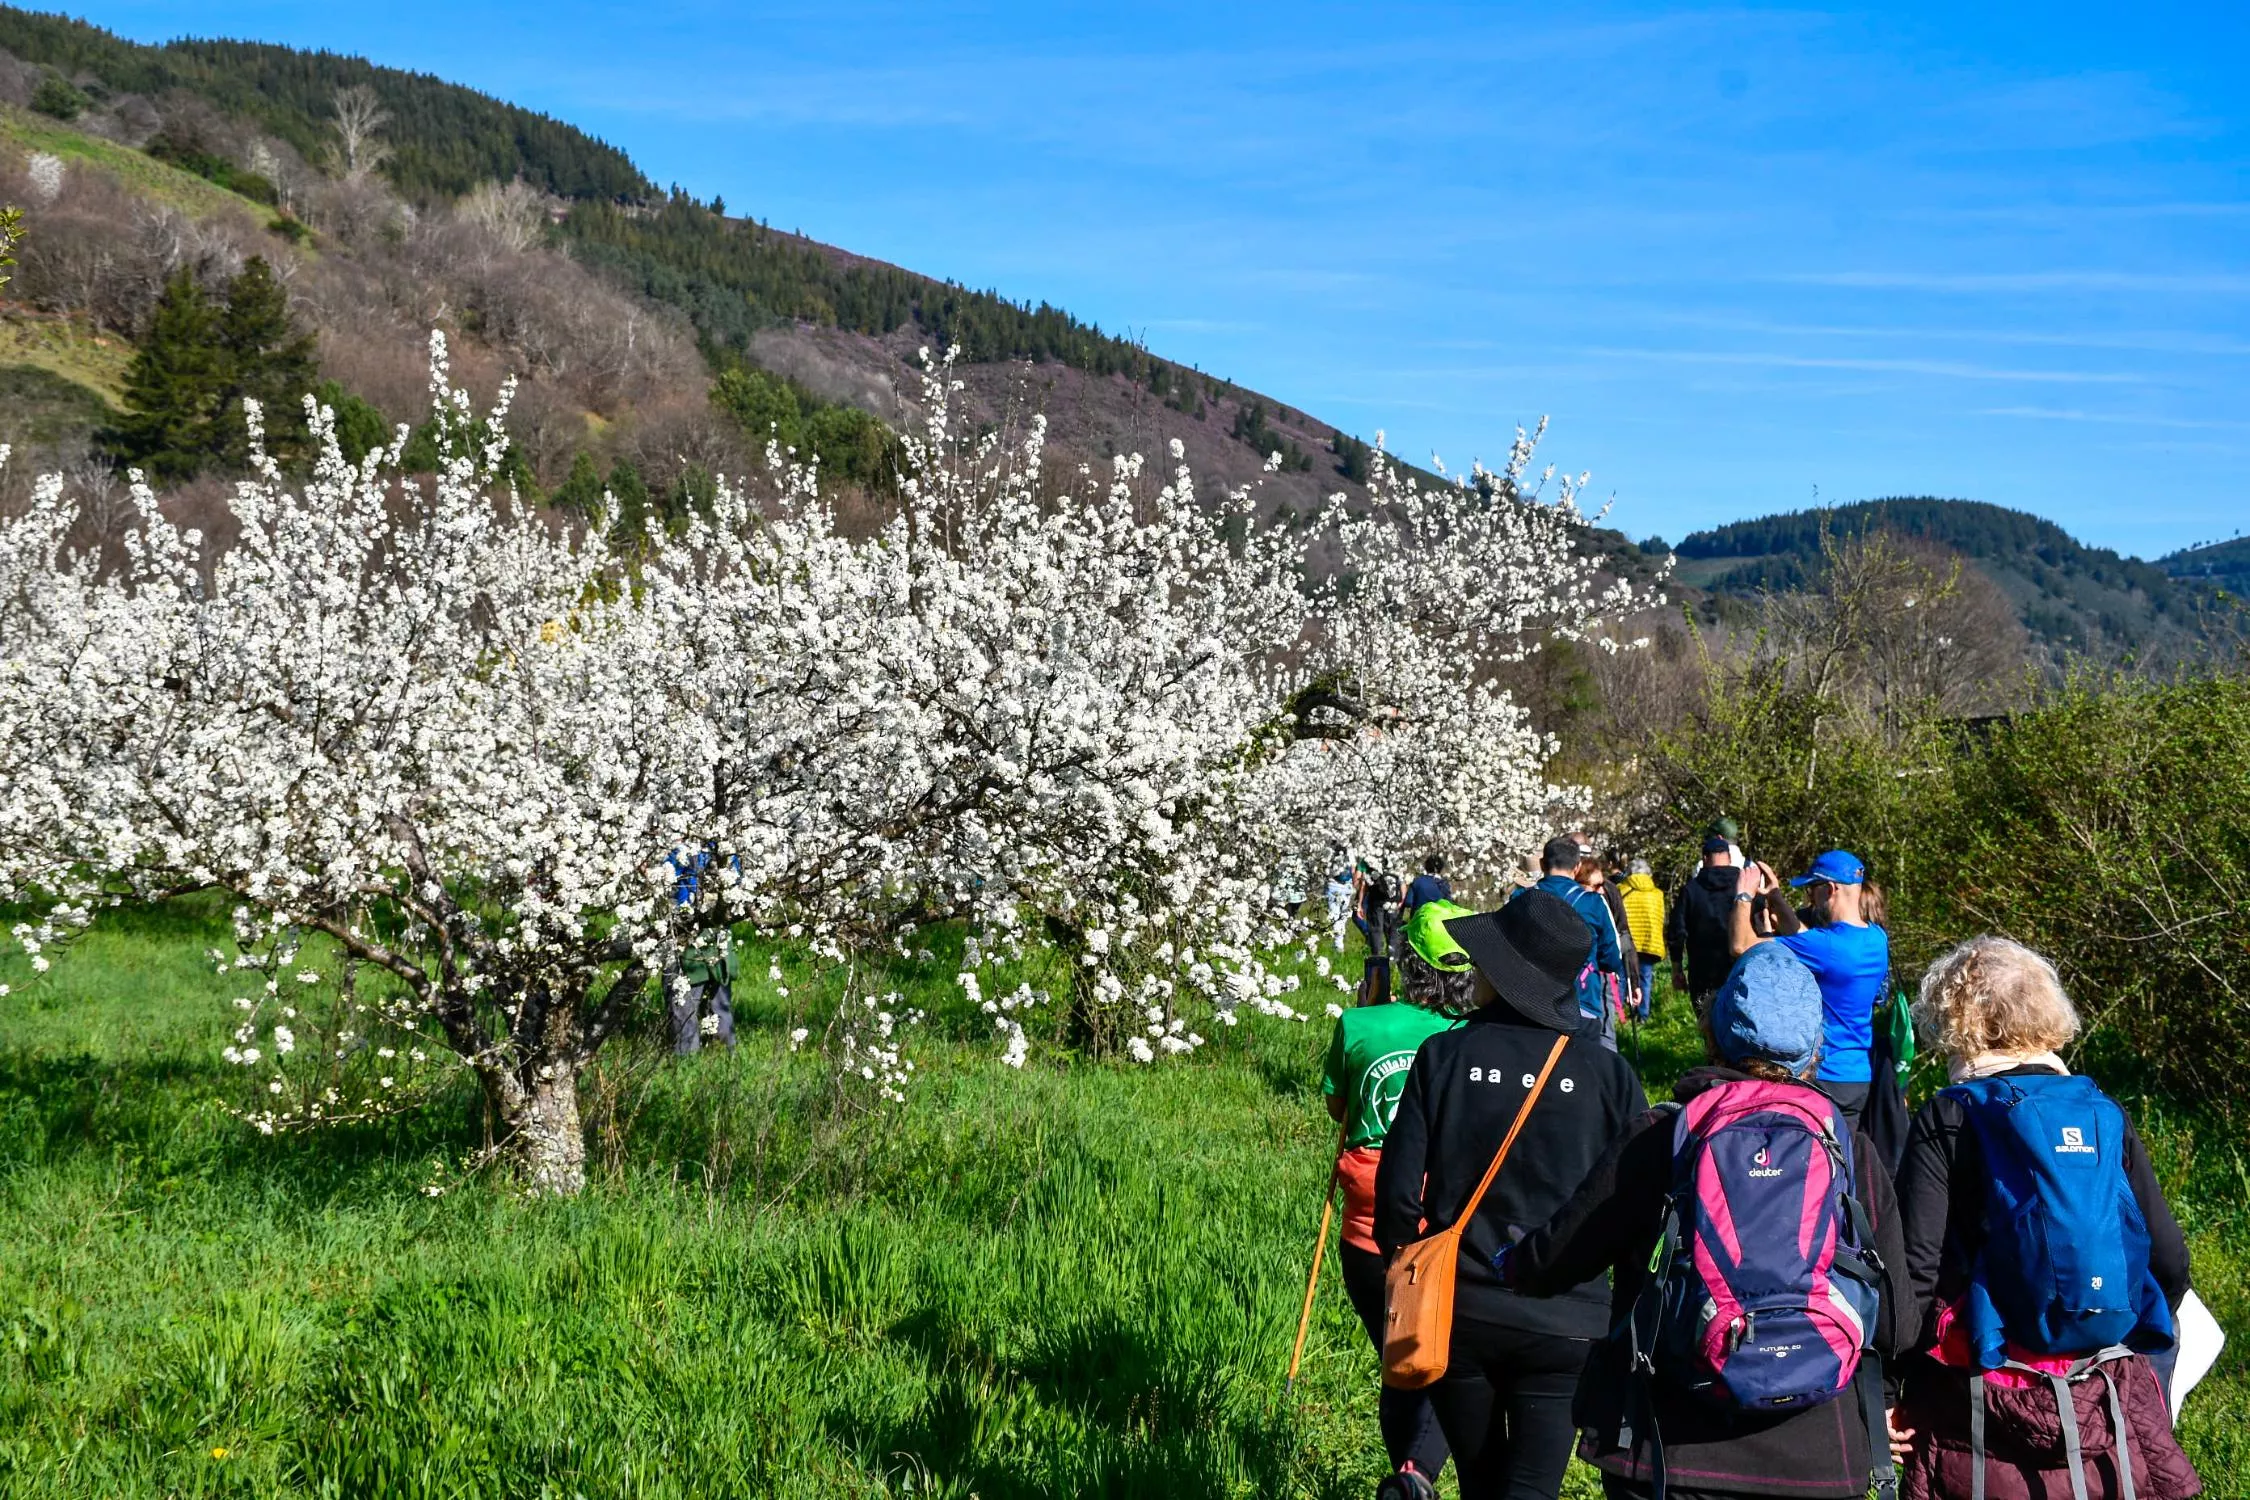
(1074, 1281)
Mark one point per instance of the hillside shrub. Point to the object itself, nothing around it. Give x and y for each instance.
(57, 98)
(2111, 829)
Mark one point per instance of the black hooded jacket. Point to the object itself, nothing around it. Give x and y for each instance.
(1460, 1098)
(1701, 927)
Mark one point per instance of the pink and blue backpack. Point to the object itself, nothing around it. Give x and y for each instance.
(1765, 1283)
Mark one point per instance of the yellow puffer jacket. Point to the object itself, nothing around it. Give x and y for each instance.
(1644, 915)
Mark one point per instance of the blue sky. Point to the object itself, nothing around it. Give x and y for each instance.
(1744, 257)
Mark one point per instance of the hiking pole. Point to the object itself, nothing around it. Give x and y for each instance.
(1320, 1248)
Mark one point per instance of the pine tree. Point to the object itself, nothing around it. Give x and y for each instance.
(360, 428)
(171, 388)
(581, 492)
(266, 358)
(631, 495)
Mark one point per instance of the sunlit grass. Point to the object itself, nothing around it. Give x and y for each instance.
(1074, 1281)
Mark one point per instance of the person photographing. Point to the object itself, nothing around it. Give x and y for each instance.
(1849, 956)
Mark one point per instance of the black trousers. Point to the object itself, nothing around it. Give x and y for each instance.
(1614, 1488)
(1505, 1406)
(1410, 1428)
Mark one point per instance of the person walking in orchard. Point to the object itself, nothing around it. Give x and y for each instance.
(1700, 933)
(1504, 1400)
(1850, 956)
(2044, 1263)
(1430, 885)
(1731, 1197)
(1369, 1054)
(1625, 989)
(1558, 865)
(1644, 919)
(699, 987)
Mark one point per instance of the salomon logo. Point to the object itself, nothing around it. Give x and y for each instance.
(2073, 1143)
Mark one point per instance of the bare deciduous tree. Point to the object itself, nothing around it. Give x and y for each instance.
(360, 117)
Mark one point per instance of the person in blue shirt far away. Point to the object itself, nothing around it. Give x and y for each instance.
(1850, 957)
(1558, 871)
(1430, 885)
(703, 975)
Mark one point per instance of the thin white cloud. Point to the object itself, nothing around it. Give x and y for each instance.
(2111, 418)
(2132, 342)
(1945, 369)
(2218, 283)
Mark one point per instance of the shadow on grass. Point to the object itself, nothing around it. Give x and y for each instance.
(1095, 1406)
(162, 1111)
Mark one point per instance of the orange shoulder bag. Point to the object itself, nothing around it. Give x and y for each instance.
(1418, 1288)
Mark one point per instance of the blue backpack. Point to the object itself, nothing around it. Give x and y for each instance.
(2064, 1266)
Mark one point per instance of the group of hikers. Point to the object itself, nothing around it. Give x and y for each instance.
(1775, 1284)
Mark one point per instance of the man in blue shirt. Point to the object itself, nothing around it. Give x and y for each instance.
(1558, 865)
(1850, 957)
(1430, 885)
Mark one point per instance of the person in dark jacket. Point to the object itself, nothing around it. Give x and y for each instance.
(1594, 878)
(1504, 1402)
(1763, 1023)
(1430, 885)
(1700, 932)
(1558, 863)
(1997, 1009)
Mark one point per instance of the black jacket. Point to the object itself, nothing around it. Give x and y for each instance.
(1701, 926)
(1941, 1197)
(1460, 1097)
(1613, 1220)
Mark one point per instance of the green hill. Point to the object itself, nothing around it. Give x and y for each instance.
(2224, 565)
(731, 276)
(2072, 596)
(444, 139)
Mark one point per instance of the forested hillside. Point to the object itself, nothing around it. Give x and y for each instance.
(2223, 565)
(430, 204)
(2071, 596)
(443, 139)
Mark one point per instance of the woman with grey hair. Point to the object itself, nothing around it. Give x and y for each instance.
(2043, 1261)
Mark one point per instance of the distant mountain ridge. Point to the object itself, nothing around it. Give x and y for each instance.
(848, 328)
(2224, 565)
(2071, 596)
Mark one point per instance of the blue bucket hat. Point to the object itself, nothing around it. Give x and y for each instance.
(1837, 867)
(1769, 1007)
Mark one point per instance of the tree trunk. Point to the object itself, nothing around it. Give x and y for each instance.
(537, 1101)
(549, 1144)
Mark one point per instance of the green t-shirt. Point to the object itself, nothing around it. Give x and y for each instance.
(1368, 1057)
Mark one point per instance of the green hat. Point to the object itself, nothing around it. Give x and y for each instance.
(1426, 935)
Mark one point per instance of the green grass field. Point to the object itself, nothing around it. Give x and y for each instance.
(1078, 1280)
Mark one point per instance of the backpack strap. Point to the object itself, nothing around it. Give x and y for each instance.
(1469, 1209)
(1879, 1427)
(2066, 1412)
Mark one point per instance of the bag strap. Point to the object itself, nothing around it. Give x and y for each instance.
(1878, 1422)
(1469, 1209)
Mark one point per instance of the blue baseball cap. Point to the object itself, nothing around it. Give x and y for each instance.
(1768, 1007)
(1837, 867)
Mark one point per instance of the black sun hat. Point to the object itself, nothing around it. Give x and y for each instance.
(1531, 951)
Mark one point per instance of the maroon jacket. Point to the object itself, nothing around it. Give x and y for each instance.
(1941, 1197)
(2024, 1454)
